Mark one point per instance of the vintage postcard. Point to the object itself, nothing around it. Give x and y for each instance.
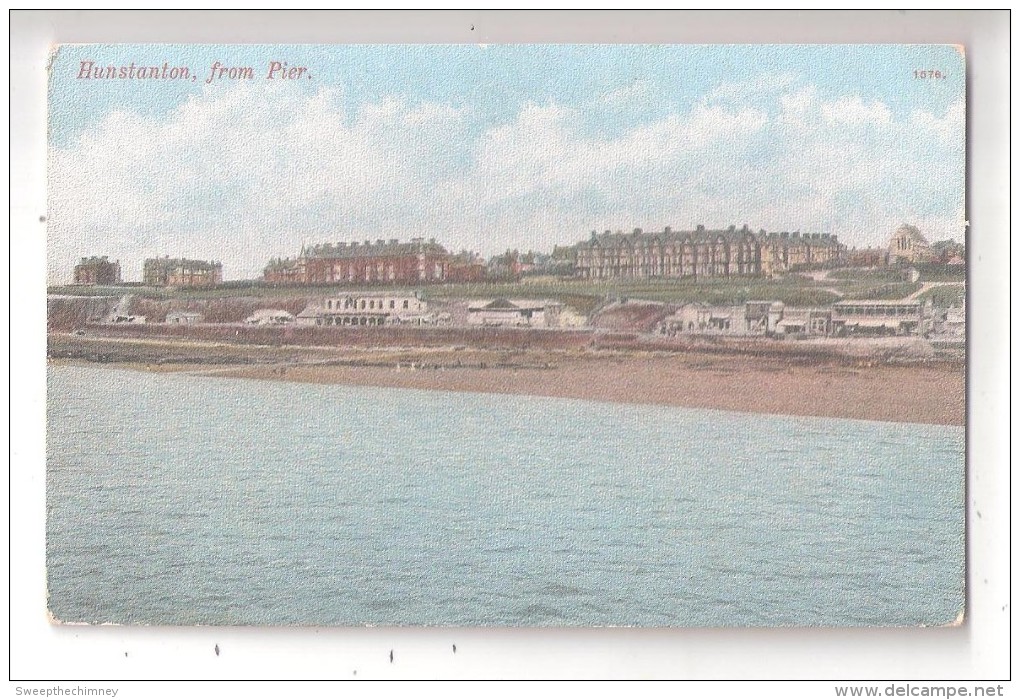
(506, 335)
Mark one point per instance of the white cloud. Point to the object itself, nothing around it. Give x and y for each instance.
(242, 174)
(853, 111)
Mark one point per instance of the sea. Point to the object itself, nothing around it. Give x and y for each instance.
(179, 499)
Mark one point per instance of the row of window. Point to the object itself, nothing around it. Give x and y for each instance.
(877, 310)
(362, 304)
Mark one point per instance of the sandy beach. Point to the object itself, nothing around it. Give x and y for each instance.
(921, 393)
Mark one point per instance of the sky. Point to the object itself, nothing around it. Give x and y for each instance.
(495, 147)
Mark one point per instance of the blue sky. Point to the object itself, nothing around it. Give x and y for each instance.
(488, 147)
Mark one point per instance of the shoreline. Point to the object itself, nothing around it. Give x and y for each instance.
(927, 394)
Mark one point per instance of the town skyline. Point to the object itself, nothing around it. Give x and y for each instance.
(463, 144)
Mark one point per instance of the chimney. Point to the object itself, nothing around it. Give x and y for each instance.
(668, 229)
(699, 228)
(637, 231)
(745, 229)
(731, 228)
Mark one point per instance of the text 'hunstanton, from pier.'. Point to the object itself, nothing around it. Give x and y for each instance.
(275, 70)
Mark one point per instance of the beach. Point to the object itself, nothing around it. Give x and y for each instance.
(928, 393)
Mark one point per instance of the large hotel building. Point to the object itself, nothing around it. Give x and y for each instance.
(703, 253)
(97, 270)
(179, 272)
(383, 262)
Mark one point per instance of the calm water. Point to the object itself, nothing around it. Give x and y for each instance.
(181, 499)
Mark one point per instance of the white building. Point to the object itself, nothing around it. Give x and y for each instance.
(870, 317)
(368, 309)
(183, 317)
(270, 317)
(698, 317)
(515, 312)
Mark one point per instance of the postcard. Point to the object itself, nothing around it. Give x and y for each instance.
(506, 335)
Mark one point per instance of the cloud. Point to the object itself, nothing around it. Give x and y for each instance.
(245, 173)
(639, 91)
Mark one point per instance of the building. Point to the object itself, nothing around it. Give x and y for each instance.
(908, 245)
(184, 317)
(382, 262)
(953, 323)
(703, 253)
(465, 267)
(97, 270)
(367, 309)
(701, 318)
(850, 318)
(805, 322)
(270, 317)
(516, 312)
(763, 317)
(868, 257)
(178, 272)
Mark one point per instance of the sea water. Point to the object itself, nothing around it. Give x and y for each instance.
(182, 499)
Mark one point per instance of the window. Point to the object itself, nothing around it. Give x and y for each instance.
(405, 303)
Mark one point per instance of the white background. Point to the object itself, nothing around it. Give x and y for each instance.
(979, 649)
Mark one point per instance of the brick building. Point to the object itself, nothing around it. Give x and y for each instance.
(383, 262)
(868, 257)
(178, 272)
(704, 253)
(97, 270)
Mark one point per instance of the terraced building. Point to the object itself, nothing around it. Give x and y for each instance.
(730, 252)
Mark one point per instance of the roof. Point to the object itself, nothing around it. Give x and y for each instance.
(393, 294)
(502, 304)
(271, 313)
(703, 235)
(875, 302)
(96, 260)
(391, 248)
(911, 232)
(169, 263)
(877, 323)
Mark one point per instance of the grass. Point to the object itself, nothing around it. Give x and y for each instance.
(856, 274)
(944, 297)
(895, 291)
(582, 295)
(943, 273)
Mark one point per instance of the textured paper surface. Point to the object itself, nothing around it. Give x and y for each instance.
(652, 336)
